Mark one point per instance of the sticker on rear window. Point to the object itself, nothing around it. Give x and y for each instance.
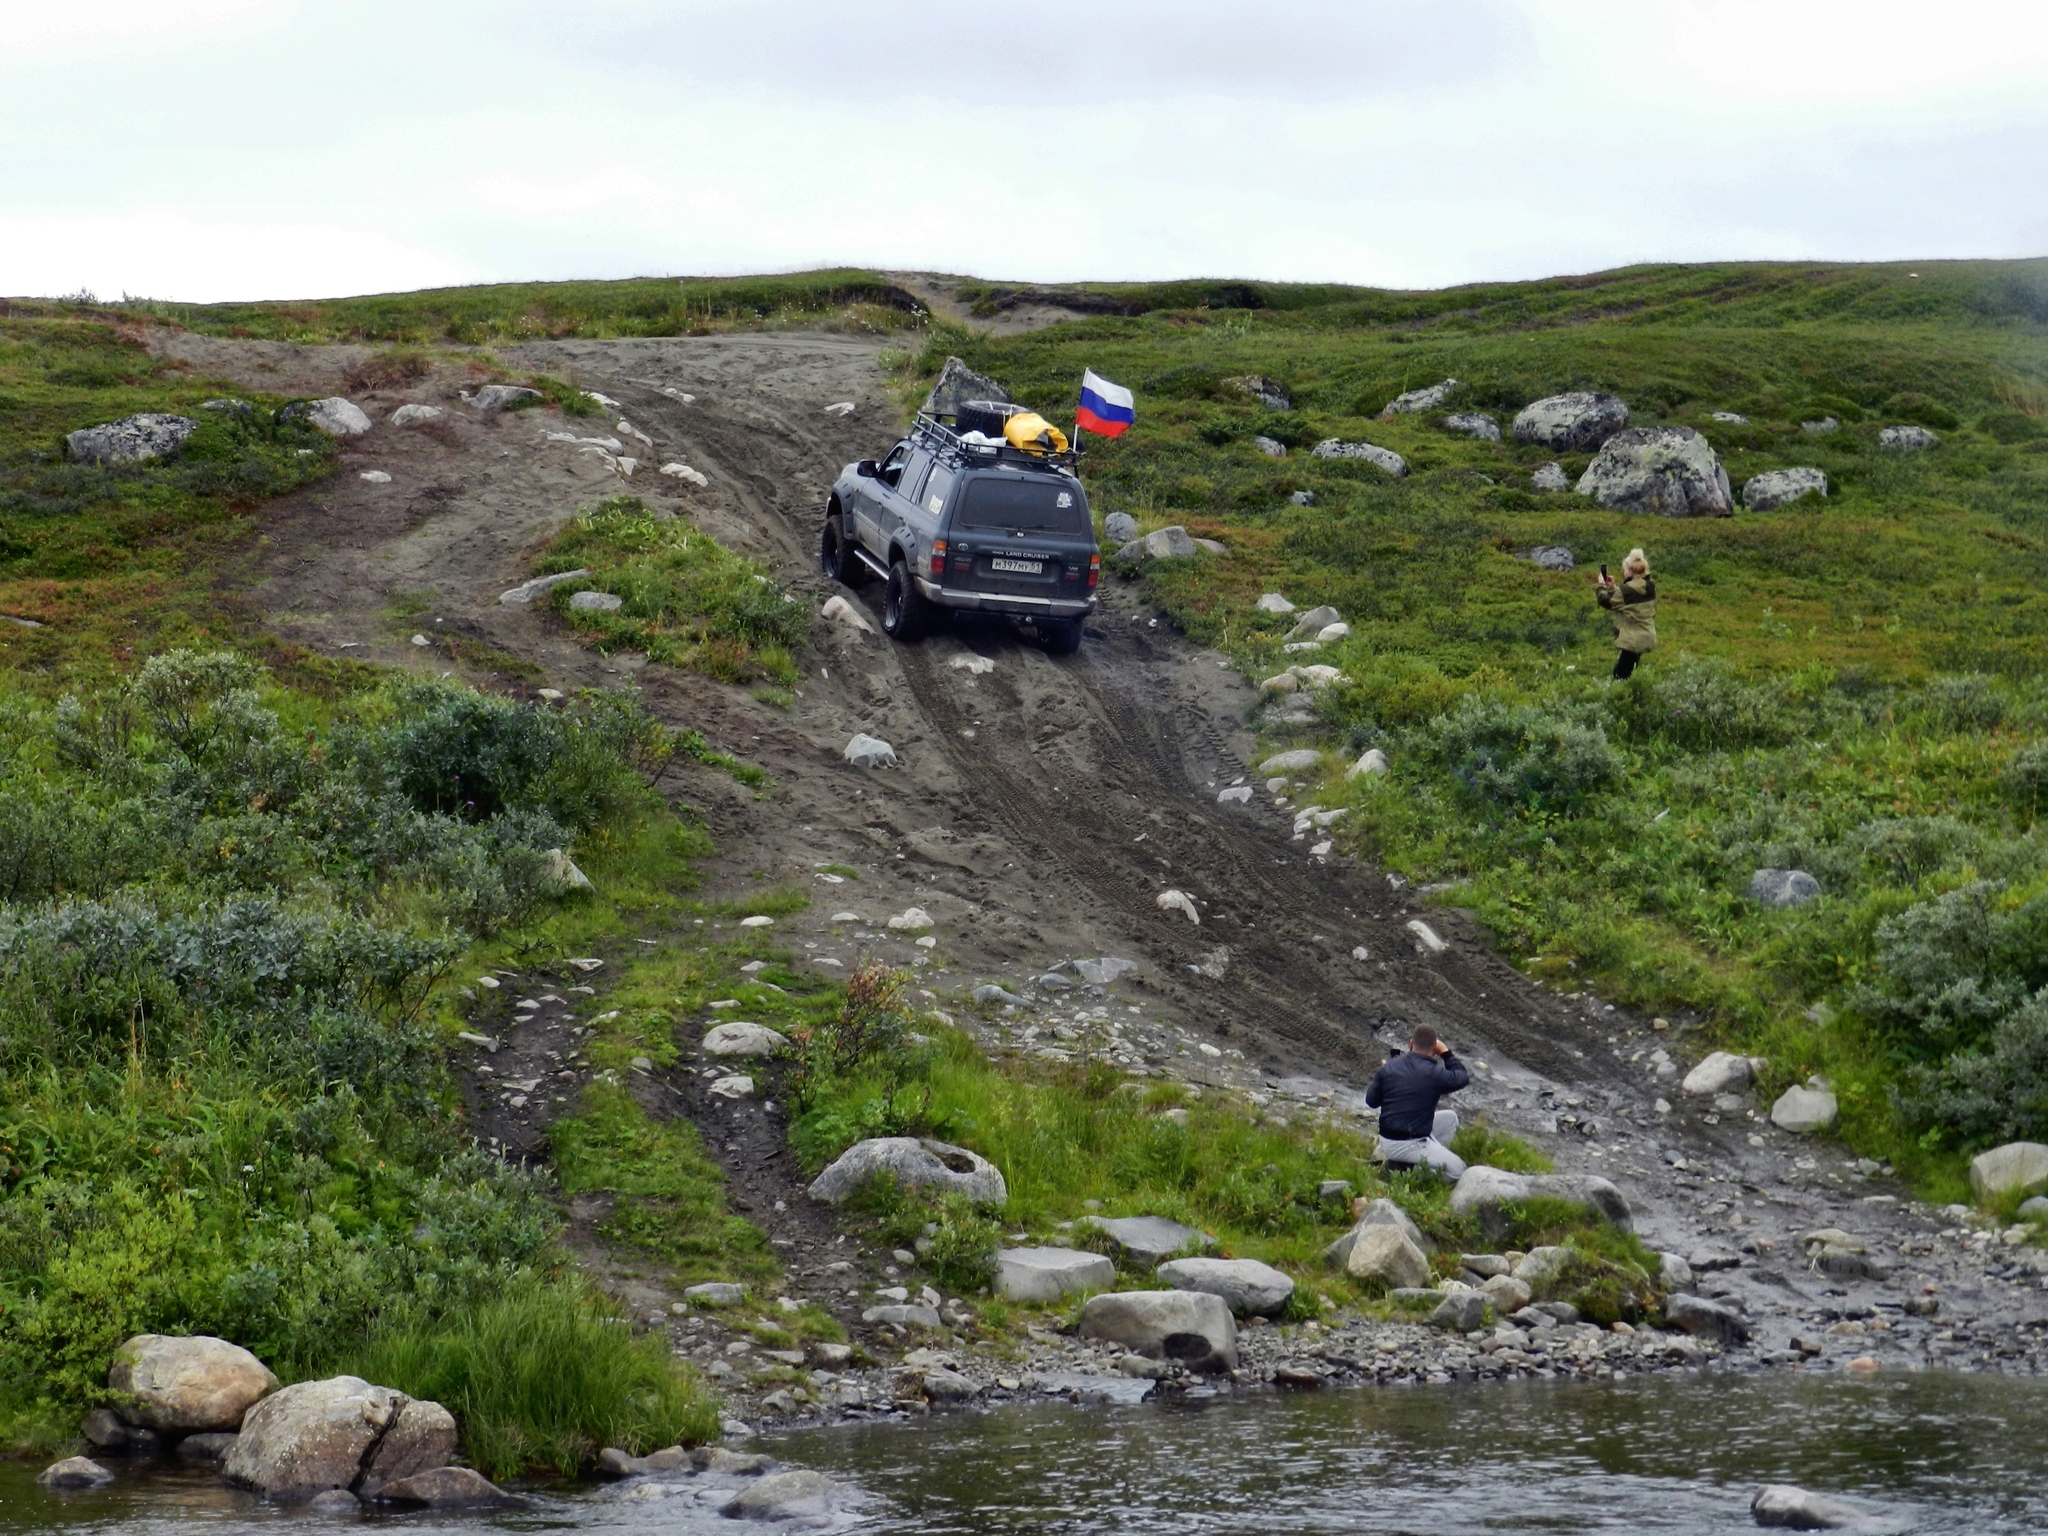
(1066, 499)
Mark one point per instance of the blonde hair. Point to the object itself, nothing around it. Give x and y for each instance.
(1633, 560)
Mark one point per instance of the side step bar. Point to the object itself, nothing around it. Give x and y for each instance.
(871, 562)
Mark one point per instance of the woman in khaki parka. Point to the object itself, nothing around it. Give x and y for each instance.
(1632, 606)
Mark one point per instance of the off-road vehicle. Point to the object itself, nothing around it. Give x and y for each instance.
(956, 517)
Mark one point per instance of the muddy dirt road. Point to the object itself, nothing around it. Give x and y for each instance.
(1041, 807)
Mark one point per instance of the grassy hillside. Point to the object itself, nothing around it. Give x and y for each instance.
(1850, 686)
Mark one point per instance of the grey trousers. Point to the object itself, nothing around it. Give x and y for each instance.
(1433, 1150)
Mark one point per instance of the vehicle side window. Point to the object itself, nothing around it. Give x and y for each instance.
(913, 475)
(892, 467)
(936, 490)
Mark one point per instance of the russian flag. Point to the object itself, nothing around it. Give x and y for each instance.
(1107, 409)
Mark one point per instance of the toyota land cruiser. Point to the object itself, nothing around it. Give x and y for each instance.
(955, 517)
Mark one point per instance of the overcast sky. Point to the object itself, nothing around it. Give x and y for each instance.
(216, 149)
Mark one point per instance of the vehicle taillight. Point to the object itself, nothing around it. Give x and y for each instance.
(938, 558)
(1094, 571)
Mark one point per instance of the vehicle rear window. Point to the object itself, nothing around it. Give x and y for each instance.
(1026, 506)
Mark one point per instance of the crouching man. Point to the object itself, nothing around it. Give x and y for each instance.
(1413, 1131)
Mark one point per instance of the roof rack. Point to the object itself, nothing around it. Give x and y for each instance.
(946, 444)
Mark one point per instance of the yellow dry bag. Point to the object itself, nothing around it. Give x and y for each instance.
(1034, 434)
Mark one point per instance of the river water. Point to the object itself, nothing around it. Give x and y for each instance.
(1946, 1453)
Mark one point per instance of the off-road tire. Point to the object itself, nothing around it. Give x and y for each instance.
(840, 563)
(1062, 636)
(904, 612)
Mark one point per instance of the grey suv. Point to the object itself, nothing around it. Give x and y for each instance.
(956, 518)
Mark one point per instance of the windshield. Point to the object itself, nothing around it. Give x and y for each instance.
(1024, 506)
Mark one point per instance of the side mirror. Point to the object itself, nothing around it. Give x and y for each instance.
(867, 469)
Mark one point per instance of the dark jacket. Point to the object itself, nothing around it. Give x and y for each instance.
(1633, 608)
(1406, 1089)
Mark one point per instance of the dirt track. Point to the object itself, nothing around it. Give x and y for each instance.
(1040, 809)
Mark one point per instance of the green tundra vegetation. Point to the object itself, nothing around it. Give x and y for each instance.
(1850, 686)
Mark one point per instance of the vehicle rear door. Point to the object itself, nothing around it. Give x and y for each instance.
(1023, 534)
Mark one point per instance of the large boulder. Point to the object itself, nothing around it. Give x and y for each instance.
(2014, 1168)
(1379, 458)
(1193, 1329)
(1246, 1286)
(1047, 1274)
(190, 1385)
(1159, 544)
(1571, 423)
(1784, 1507)
(1384, 1253)
(913, 1164)
(957, 384)
(800, 1495)
(1705, 1319)
(1377, 1213)
(1719, 1072)
(334, 416)
(1462, 1311)
(132, 439)
(1908, 439)
(1148, 1241)
(1417, 402)
(1664, 471)
(1773, 488)
(1488, 1192)
(316, 1435)
(1803, 1111)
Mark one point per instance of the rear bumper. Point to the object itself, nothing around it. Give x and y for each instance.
(1002, 602)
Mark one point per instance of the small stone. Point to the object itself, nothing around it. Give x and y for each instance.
(414, 415)
(1380, 458)
(801, 1495)
(757, 921)
(1782, 1506)
(1907, 439)
(740, 1038)
(912, 1163)
(1303, 498)
(1718, 1073)
(866, 751)
(74, 1472)
(1419, 402)
(716, 1293)
(1475, 425)
(334, 416)
(1120, 528)
(1273, 602)
(911, 920)
(1804, 1110)
(990, 993)
(1384, 1253)
(1577, 422)
(444, 1488)
(1373, 762)
(1462, 1311)
(1178, 901)
(737, 1087)
(496, 397)
(1550, 477)
(1783, 888)
(375, 477)
(1819, 428)
(1301, 760)
(335, 1504)
(1773, 489)
(596, 602)
(1705, 1319)
(1270, 447)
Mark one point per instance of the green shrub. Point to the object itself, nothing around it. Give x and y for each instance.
(1701, 703)
(1993, 1094)
(1524, 757)
(2011, 427)
(2026, 777)
(1916, 407)
(543, 1378)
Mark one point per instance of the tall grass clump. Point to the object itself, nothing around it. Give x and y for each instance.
(542, 1378)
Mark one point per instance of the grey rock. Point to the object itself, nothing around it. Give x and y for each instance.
(958, 384)
(1272, 448)
(1804, 1110)
(1719, 1072)
(716, 1293)
(1708, 1260)
(1549, 477)
(1486, 1266)
(798, 1495)
(207, 1449)
(866, 751)
(914, 1164)
(1783, 887)
(1674, 1274)
(1246, 1286)
(74, 1472)
(228, 407)
(733, 1463)
(740, 1038)
(1662, 471)
(1562, 1313)
(2018, 1165)
(1552, 557)
(335, 1504)
(1475, 425)
(1379, 1213)
(1571, 423)
(421, 1436)
(195, 1383)
(1105, 971)
(445, 1488)
(1047, 1274)
(1384, 1253)
(311, 1436)
(944, 1386)
(1120, 527)
(1785, 1507)
(596, 602)
(1159, 544)
(131, 440)
(1333, 1189)
(1303, 498)
(1819, 428)
(1845, 1263)
(1300, 760)
(1509, 1294)
(414, 415)
(103, 1427)
(1418, 402)
(527, 591)
(334, 416)
(1907, 439)
(1485, 1192)
(1311, 624)
(993, 994)
(903, 1314)
(1732, 418)
(1462, 1311)
(496, 397)
(1541, 1268)
(1193, 1329)
(1088, 1387)
(1773, 488)
(1147, 1241)
(1379, 458)
(1270, 393)
(1705, 1319)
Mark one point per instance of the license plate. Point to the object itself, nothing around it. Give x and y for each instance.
(1017, 567)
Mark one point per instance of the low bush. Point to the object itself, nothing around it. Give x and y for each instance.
(1522, 757)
